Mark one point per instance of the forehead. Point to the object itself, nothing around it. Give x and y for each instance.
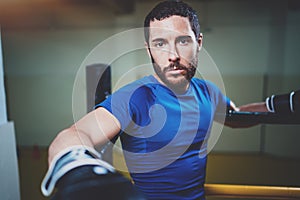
(174, 25)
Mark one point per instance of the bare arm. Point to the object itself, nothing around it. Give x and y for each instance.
(254, 107)
(229, 123)
(97, 127)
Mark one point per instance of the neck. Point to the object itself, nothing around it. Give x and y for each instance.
(176, 88)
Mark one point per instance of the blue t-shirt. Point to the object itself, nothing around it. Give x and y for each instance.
(164, 135)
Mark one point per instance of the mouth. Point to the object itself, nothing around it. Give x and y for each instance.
(175, 67)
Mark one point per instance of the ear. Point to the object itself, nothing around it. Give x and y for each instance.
(200, 41)
(148, 49)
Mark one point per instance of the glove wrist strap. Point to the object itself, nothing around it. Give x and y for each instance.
(67, 160)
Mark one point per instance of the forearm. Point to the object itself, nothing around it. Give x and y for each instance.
(281, 104)
(232, 122)
(97, 127)
(66, 138)
(254, 107)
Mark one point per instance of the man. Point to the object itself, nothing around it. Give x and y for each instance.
(164, 120)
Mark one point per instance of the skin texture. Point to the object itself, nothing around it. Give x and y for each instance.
(174, 51)
(97, 127)
(254, 107)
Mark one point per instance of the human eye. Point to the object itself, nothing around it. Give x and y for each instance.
(184, 40)
(159, 43)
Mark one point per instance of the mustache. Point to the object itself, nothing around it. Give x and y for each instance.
(191, 70)
(176, 66)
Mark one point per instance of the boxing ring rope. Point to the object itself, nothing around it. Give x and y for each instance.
(252, 191)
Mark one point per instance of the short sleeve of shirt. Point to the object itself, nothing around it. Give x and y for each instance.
(123, 103)
(117, 105)
(219, 101)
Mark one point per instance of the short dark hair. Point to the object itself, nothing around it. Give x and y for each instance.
(169, 8)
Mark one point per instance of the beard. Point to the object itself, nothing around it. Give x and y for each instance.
(179, 84)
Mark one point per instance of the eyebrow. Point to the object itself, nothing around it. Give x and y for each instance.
(184, 36)
(158, 39)
(179, 37)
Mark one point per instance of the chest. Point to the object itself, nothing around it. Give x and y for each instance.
(184, 117)
(177, 121)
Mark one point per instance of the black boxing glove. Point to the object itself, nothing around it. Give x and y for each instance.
(284, 103)
(78, 173)
(296, 101)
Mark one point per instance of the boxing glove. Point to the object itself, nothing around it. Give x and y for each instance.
(78, 173)
(284, 103)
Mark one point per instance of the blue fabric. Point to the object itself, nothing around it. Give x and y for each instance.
(164, 135)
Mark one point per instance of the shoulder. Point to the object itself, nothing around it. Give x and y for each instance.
(143, 84)
(139, 89)
(205, 85)
(131, 91)
(136, 94)
(210, 90)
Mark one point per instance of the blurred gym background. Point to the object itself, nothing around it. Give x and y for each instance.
(254, 43)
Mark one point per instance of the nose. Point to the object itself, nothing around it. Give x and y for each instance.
(173, 55)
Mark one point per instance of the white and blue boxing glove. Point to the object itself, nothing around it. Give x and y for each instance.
(78, 173)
